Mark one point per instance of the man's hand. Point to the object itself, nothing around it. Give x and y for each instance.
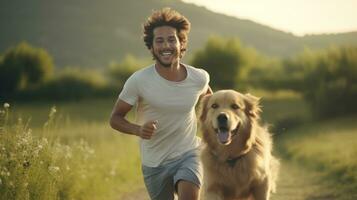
(148, 130)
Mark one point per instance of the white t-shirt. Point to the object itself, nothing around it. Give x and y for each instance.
(172, 104)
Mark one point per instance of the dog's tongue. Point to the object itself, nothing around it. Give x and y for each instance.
(223, 136)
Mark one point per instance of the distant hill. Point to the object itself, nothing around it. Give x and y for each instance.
(93, 33)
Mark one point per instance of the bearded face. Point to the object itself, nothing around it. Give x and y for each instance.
(166, 46)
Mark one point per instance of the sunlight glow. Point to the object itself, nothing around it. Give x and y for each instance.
(295, 16)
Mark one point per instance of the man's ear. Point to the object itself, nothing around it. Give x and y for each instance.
(252, 105)
(203, 107)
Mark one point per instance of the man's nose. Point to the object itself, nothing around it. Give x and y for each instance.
(166, 44)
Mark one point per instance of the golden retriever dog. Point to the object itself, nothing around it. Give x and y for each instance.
(237, 158)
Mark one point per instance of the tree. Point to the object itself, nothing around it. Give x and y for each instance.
(24, 66)
(331, 86)
(327, 79)
(224, 60)
(120, 72)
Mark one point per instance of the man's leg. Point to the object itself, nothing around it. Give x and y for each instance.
(188, 177)
(187, 190)
(159, 183)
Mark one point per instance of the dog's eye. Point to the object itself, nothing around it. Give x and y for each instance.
(214, 106)
(235, 106)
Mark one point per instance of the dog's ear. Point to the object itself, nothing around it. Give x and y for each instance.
(253, 107)
(203, 107)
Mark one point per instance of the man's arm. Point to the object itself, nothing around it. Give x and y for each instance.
(209, 91)
(119, 123)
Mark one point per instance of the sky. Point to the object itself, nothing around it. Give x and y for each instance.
(295, 16)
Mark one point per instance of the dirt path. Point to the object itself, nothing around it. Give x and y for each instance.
(298, 183)
(295, 183)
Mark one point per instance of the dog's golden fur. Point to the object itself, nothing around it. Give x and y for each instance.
(237, 158)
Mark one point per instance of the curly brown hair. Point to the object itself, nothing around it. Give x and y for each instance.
(167, 17)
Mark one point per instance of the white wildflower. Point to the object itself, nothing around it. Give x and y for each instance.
(35, 153)
(53, 109)
(53, 169)
(24, 140)
(6, 105)
(44, 141)
(52, 112)
(68, 155)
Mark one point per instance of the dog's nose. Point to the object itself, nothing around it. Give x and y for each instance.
(222, 119)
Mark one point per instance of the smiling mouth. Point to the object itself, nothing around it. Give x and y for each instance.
(225, 136)
(166, 53)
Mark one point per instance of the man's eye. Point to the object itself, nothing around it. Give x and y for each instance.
(214, 106)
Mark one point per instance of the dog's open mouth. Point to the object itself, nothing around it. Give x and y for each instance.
(225, 136)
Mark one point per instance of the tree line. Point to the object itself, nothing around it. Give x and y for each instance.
(326, 78)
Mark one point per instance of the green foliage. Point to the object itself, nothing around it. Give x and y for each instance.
(70, 83)
(120, 72)
(224, 60)
(267, 74)
(334, 82)
(328, 80)
(35, 167)
(24, 67)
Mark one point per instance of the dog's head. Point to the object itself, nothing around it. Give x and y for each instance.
(226, 114)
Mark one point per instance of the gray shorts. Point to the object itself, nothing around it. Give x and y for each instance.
(161, 181)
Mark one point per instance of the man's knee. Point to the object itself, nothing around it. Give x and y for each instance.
(187, 190)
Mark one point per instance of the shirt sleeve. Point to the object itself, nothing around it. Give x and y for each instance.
(206, 79)
(130, 91)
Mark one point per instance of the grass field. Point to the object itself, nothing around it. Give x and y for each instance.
(77, 155)
(80, 157)
(329, 147)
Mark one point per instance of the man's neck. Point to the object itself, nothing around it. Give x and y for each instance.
(175, 72)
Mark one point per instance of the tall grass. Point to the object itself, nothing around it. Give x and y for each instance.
(330, 147)
(60, 162)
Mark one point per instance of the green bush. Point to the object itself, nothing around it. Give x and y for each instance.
(224, 60)
(70, 84)
(24, 67)
(267, 74)
(331, 87)
(327, 79)
(120, 72)
(74, 83)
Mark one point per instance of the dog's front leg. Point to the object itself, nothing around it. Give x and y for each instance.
(211, 193)
(211, 196)
(262, 191)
